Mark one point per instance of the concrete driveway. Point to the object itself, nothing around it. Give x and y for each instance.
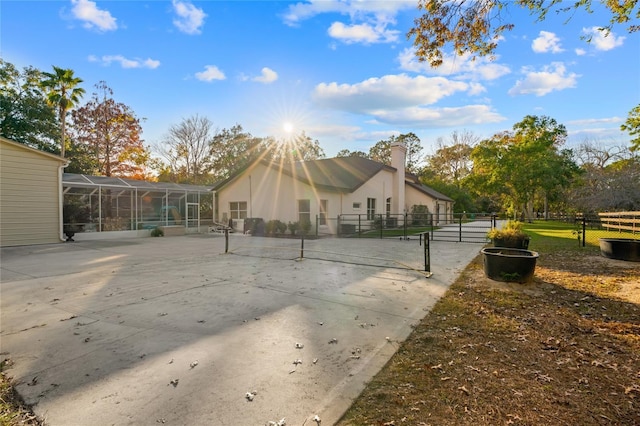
(173, 331)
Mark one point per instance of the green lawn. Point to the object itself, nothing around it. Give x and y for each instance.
(550, 236)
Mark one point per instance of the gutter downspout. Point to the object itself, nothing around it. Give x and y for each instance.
(61, 202)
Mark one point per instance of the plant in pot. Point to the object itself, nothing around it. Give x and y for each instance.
(510, 235)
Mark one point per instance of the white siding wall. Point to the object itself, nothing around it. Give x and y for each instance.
(380, 187)
(271, 195)
(29, 196)
(415, 198)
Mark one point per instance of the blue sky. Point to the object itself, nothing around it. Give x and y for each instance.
(342, 71)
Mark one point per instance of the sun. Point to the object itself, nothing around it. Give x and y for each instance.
(287, 127)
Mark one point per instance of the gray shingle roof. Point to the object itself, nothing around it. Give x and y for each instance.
(340, 174)
(429, 191)
(344, 174)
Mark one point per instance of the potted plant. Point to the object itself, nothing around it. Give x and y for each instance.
(509, 264)
(510, 235)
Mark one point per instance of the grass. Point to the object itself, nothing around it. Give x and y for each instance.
(13, 411)
(561, 350)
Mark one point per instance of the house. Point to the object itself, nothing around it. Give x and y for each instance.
(320, 191)
(30, 195)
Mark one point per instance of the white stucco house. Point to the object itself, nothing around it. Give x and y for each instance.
(319, 190)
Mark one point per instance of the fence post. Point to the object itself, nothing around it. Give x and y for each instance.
(338, 230)
(359, 226)
(317, 223)
(404, 226)
(302, 246)
(427, 254)
(584, 230)
(381, 225)
(226, 240)
(460, 229)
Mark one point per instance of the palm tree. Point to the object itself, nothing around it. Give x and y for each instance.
(62, 93)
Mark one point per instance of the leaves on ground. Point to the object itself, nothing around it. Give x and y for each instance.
(561, 350)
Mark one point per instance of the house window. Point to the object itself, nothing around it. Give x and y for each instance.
(304, 211)
(388, 206)
(322, 220)
(238, 209)
(356, 206)
(371, 208)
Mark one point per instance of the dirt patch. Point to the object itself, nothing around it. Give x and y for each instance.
(561, 350)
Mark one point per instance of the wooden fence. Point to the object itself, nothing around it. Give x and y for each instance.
(622, 221)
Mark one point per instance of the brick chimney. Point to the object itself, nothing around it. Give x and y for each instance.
(398, 156)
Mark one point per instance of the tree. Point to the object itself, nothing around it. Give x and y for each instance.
(25, 116)
(347, 153)
(475, 27)
(524, 162)
(111, 132)
(632, 125)
(187, 149)
(298, 147)
(609, 179)
(232, 149)
(381, 151)
(62, 93)
(452, 163)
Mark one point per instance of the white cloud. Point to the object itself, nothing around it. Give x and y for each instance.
(552, 77)
(268, 76)
(546, 42)
(362, 33)
(369, 21)
(603, 39)
(356, 9)
(126, 63)
(581, 52)
(210, 73)
(190, 19)
(476, 89)
(439, 117)
(462, 67)
(387, 92)
(591, 121)
(87, 11)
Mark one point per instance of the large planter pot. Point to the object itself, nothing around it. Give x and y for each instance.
(620, 248)
(518, 243)
(509, 264)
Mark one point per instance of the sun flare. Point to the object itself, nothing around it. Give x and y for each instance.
(287, 127)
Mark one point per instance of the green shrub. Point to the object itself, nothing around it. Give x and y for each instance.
(293, 227)
(305, 227)
(275, 226)
(510, 231)
(157, 232)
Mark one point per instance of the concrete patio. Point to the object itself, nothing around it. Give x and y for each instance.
(174, 331)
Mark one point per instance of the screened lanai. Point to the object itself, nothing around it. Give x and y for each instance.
(106, 204)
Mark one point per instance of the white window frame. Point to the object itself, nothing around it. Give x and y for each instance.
(236, 210)
(304, 213)
(371, 208)
(323, 209)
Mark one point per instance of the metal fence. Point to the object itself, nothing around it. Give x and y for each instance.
(590, 227)
(463, 227)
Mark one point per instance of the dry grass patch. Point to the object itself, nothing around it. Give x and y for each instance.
(562, 350)
(13, 411)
